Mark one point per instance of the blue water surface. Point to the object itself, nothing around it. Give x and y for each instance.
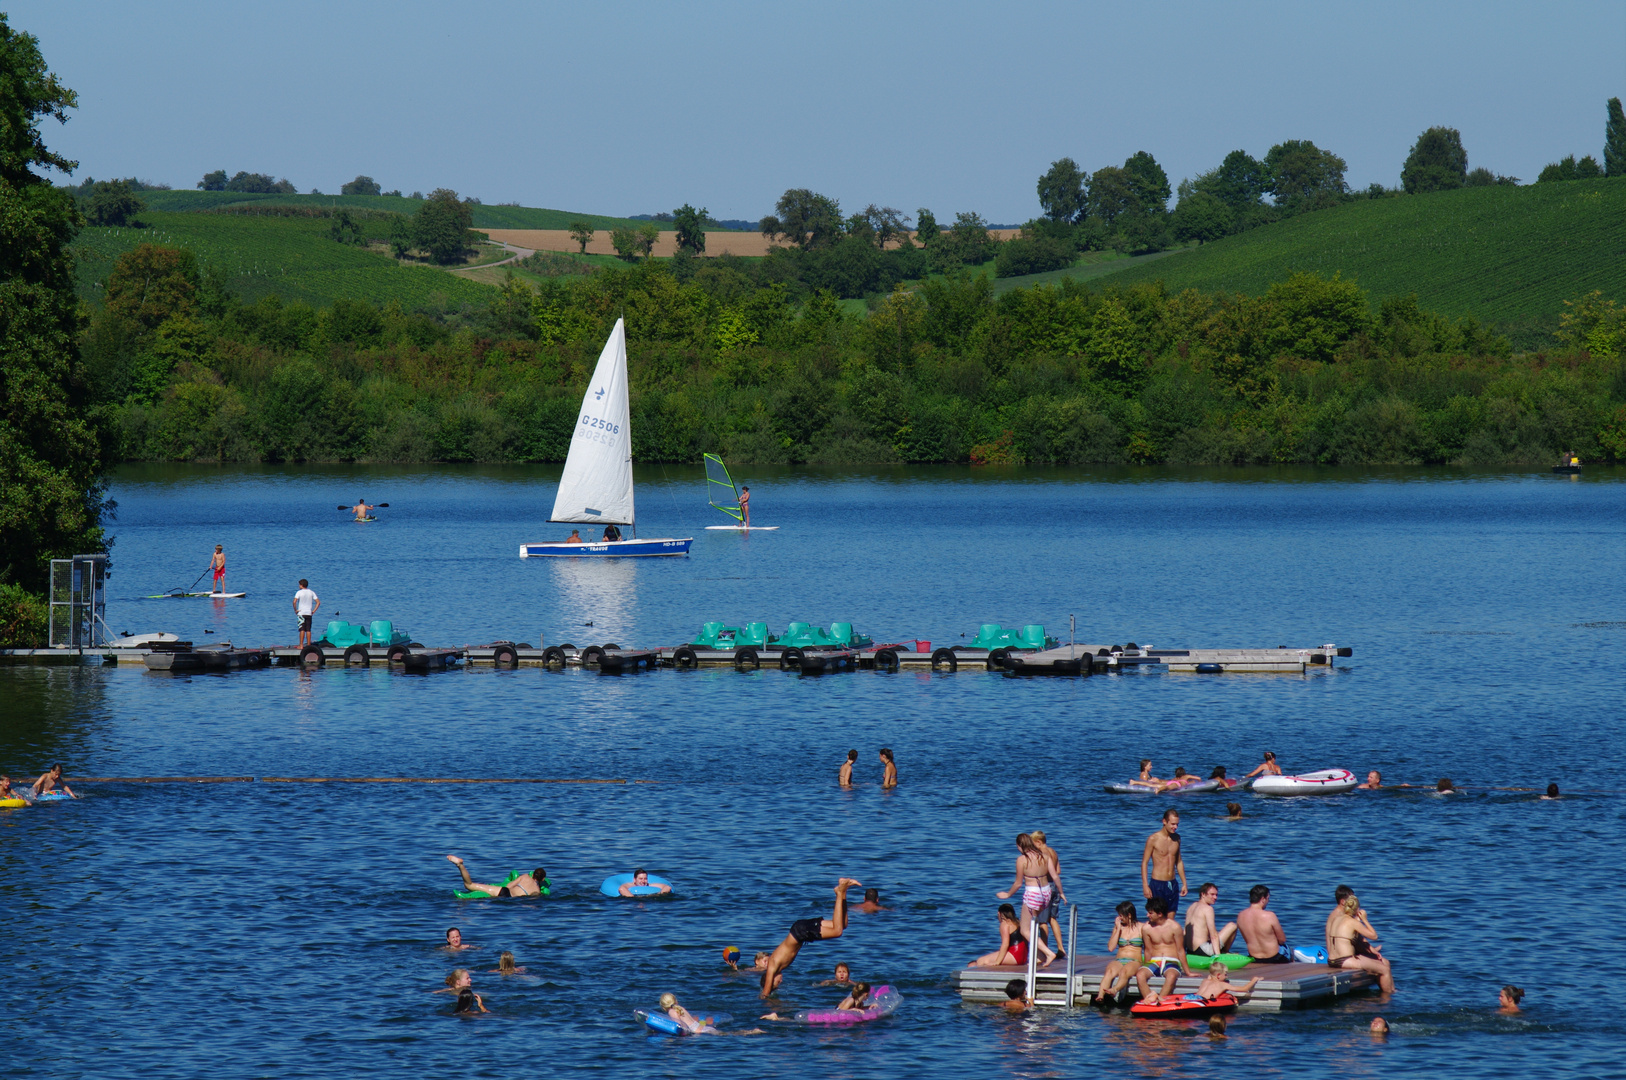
(267, 928)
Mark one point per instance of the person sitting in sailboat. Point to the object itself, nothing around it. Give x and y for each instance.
(611, 533)
(575, 537)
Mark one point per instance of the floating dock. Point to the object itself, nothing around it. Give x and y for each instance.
(1281, 986)
(1079, 659)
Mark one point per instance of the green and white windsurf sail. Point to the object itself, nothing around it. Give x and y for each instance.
(720, 488)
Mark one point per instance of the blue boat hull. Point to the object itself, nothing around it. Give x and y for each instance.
(614, 549)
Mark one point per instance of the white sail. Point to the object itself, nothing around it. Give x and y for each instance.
(597, 482)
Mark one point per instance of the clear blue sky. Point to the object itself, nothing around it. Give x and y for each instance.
(621, 108)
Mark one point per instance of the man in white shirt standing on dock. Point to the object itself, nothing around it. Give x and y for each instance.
(306, 604)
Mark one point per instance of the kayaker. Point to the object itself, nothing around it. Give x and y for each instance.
(361, 509)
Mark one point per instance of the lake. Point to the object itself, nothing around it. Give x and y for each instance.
(258, 929)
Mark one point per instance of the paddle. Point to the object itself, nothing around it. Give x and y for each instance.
(352, 507)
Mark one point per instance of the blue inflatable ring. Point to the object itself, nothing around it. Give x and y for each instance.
(612, 885)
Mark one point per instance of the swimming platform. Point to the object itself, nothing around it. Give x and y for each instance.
(1281, 986)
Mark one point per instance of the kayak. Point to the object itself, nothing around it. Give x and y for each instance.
(1184, 1007)
(1321, 782)
(1126, 788)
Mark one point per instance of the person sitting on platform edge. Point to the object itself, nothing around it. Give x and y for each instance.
(640, 880)
(533, 884)
(1165, 951)
(1013, 944)
(611, 533)
(1202, 935)
(1127, 942)
(1262, 930)
(1350, 921)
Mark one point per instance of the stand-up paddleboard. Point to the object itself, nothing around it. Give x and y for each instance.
(1321, 782)
(742, 528)
(183, 595)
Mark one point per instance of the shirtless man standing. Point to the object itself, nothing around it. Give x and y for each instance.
(217, 563)
(1261, 929)
(844, 776)
(1162, 854)
(803, 931)
(1201, 934)
(531, 884)
(1039, 878)
(1165, 951)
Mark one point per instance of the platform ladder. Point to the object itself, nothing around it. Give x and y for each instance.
(78, 604)
(1051, 988)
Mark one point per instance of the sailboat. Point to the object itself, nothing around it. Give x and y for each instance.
(720, 485)
(596, 488)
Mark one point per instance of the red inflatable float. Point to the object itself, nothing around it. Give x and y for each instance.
(1184, 1007)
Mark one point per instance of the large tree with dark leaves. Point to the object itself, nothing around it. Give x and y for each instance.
(51, 491)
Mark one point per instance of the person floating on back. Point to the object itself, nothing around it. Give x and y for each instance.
(803, 931)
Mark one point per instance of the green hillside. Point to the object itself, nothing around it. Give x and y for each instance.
(1509, 256)
(485, 217)
(294, 257)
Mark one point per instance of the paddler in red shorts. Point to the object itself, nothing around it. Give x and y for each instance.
(218, 564)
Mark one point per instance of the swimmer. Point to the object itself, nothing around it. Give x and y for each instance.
(679, 1015)
(1446, 787)
(872, 902)
(1219, 774)
(1127, 941)
(469, 1002)
(1268, 768)
(8, 792)
(533, 884)
(1216, 1027)
(1017, 992)
(1552, 793)
(844, 775)
(458, 981)
(844, 977)
(1374, 781)
(731, 957)
(640, 880)
(1507, 1001)
(1378, 1026)
(1217, 981)
(889, 770)
(1039, 878)
(803, 931)
(505, 965)
(49, 780)
(454, 941)
(857, 1000)
(1165, 951)
(1233, 811)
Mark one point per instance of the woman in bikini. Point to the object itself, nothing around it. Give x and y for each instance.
(1039, 878)
(1269, 768)
(1127, 944)
(1146, 779)
(532, 884)
(1013, 944)
(1349, 922)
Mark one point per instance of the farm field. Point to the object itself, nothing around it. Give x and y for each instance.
(294, 257)
(1509, 256)
(495, 217)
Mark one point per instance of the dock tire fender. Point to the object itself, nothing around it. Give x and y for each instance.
(684, 657)
(996, 659)
(567, 646)
(886, 660)
(505, 656)
(945, 660)
(592, 655)
(553, 656)
(357, 654)
(747, 659)
(790, 658)
(398, 653)
(610, 646)
(311, 656)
